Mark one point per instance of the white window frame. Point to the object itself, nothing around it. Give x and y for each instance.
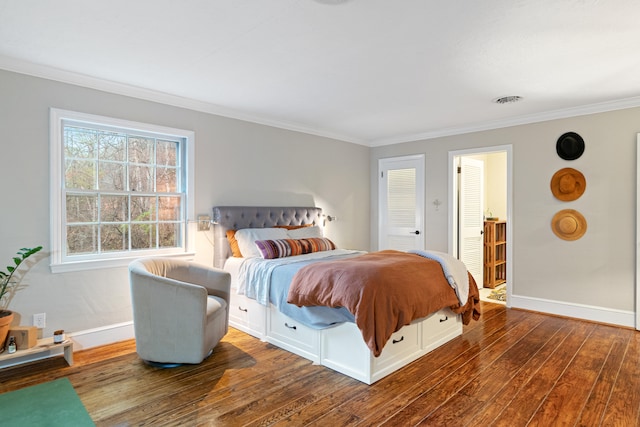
(62, 263)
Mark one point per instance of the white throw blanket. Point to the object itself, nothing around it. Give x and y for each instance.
(454, 270)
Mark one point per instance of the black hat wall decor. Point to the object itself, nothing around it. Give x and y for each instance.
(570, 146)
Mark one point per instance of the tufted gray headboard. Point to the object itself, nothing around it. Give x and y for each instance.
(237, 217)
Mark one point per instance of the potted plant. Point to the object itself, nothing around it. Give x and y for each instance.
(489, 216)
(8, 288)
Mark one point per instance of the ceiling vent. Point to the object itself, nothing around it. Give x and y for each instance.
(331, 1)
(507, 99)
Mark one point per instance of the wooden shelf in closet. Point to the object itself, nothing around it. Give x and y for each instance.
(495, 253)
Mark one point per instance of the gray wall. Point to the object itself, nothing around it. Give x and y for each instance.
(595, 271)
(236, 163)
(244, 163)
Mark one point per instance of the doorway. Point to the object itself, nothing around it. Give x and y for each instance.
(475, 196)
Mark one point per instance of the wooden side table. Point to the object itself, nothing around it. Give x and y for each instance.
(43, 346)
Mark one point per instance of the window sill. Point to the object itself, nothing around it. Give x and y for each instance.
(109, 263)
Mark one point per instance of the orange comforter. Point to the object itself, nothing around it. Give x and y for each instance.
(384, 290)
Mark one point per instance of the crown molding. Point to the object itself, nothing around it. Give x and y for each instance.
(77, 79)
(63, 76)
(601, 107)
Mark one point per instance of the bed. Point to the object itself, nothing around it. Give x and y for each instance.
(269, 299)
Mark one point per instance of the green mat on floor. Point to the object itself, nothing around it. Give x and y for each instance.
(53, 403)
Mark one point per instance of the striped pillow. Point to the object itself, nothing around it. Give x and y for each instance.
(281, 248)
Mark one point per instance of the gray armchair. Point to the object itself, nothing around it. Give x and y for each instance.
(180, 309)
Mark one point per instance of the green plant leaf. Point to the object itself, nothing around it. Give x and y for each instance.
(5, 282)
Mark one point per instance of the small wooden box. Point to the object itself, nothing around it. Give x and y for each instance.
(26, 336)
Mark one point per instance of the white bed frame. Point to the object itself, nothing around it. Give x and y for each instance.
(340, 348)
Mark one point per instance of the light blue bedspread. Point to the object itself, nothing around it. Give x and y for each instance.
(267, 281)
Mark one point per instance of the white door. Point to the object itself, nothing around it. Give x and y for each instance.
(471, 216)
(401, 203)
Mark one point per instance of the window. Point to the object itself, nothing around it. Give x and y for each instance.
(119, 190)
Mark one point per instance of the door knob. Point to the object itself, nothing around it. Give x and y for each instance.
(415, 232)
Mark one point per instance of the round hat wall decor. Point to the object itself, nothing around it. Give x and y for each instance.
(569, 224)
(570, 146)
(568, 184)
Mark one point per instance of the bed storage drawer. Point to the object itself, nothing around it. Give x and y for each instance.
(247, 315)
(344, 350)
(403, 343)
(293, 335)
(439, 328)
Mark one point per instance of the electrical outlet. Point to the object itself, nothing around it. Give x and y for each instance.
(40, 320)
(204, 222)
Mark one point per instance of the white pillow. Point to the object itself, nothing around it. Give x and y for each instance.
(305, 232)
(247, 237)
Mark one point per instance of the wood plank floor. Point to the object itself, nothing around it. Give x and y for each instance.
(512, 368)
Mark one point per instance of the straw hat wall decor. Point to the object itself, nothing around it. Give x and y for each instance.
(569, 224)
(568, 184)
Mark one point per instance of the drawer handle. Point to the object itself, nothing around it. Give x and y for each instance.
(397, 341)
(445, 319)
(242, 309)
(290, 327)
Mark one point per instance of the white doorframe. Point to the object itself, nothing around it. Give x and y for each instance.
(637, 308)
(453, 203)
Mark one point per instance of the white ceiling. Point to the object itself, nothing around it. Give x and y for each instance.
(367, 71)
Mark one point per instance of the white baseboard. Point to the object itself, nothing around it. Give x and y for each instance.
(109, 334)
(578, 311)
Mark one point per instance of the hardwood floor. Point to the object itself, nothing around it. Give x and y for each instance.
(511, 368)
